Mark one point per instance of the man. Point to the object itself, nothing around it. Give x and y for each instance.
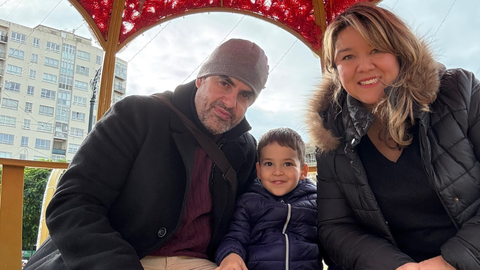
(141, 193)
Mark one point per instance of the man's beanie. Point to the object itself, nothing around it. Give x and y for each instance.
(239, 59)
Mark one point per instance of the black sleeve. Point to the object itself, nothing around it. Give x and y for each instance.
(77, 216)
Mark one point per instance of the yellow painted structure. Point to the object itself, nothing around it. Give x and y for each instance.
(49, 191)
(11, 212)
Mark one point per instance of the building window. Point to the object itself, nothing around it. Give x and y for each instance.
(12, 86)
(5, 155)
(62, 113)
(23, 156)
(67, 67)
(51, 62)
(42, 144)
(78, 116)
(80, 101)
(34, 58)
(30, 90)
(57, 158)
(16, 53)
(64, 98)
(47, 77)
(99, 60)
(6, 138)
(10, 103)
(53, 47)
(7, 120)
(28, 107)
(45, 110)
(61, 130)
(81, 85)
(82, 70)
(36, 42)
(14, 70)
(121, 70)
(65, 82)
(26, 124)
(76, 132)
(49, 94)
(73, 148)
(68, 51)
(42, 126)
(19, 37)
(24, 141)
(33, 74)
(83, 55)
(118, 86)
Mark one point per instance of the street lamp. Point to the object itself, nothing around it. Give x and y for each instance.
(93, 84)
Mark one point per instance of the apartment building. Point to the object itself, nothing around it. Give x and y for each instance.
(46, 91)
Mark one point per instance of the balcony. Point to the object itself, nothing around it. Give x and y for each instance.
(59, 151)
(3, 55)
(61, 136)
(11, 204)
(3, 38)
(119, 89)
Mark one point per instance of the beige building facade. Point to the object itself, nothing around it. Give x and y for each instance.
(46, 90)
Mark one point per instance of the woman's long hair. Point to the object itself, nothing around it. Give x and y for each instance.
(386, 32)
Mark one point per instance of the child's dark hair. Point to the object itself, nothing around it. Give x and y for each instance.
(284, 137)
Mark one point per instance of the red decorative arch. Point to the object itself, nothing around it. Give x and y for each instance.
(117, 22)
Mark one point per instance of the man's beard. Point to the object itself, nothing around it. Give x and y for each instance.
(213, 123)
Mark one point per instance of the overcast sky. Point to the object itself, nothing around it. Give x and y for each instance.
(169, 54)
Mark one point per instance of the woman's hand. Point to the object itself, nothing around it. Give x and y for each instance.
(435, 263)
(232, 262)
(409, 266)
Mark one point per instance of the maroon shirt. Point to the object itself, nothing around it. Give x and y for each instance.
(194, 234)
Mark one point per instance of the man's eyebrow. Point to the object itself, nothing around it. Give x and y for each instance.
(228, 79)
(248, 92)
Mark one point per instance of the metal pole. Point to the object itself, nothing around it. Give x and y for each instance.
(93, 84)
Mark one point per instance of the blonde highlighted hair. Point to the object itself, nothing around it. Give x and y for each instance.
(388, 33)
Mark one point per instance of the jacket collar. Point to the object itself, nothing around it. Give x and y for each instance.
(328, 124)
(184, 100)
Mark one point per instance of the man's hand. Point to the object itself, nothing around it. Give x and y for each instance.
(409, 266)
(435, 263)
(232, 262)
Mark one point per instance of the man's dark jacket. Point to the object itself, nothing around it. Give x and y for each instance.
(125, 191)
(351, 225)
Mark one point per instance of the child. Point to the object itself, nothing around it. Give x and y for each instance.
(275, 222)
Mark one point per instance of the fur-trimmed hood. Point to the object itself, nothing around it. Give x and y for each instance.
(322, 103)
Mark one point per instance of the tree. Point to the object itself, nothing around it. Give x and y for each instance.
(35, 181)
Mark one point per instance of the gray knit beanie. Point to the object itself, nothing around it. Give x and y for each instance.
(239, 59)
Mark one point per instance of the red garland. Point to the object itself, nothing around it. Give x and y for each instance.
(100, 11)
(296, 14)
(338, 7)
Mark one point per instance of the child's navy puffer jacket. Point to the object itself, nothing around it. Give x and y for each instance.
(275, 233)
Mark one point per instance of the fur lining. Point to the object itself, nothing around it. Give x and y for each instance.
(322, 99)
(320, 136)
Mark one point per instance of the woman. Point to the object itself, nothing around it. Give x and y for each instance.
(398, 140)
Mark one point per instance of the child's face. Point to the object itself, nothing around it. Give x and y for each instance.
(279, 169)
